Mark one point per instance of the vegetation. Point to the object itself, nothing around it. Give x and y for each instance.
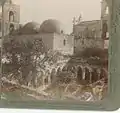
(23, 59)
(21, 56)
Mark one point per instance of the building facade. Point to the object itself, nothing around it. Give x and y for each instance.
(87, 34)
(50, 31)
(11, 15)
(92, 34)
(52, 34)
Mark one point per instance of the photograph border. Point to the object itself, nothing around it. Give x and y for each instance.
(112, 101)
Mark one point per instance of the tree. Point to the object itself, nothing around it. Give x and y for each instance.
(22, 56)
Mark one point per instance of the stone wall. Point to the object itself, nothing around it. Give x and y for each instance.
(84, 43)
(53, 41)
(64, 43)
(16, 11)
(87, 35)
(46, 38)
(88, 29)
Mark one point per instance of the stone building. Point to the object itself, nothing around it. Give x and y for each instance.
(11, 14)
(52, 34)
(92, 34)
(50, 31)
(87, 34)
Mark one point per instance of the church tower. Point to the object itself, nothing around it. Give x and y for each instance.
(104, 19)
(11, 17)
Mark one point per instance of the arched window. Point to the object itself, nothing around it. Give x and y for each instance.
(107, 10)
(11, 16)
(64, 42)
(11, 28)
(62, 31)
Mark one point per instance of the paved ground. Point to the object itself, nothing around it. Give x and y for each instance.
(16, 96)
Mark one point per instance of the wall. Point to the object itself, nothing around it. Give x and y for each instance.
(83, 43)
(59, 43)
(15, 9)
(78, 29)
(86, 28)
(85, 37)
(46, 38)
(52, 41)
(106, 44)
(97, 29)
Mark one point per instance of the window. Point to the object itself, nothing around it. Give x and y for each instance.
(82, 41)
(86, 32)
(107, 35)
(64, 42)
(11, 16)
(62, 31)
(11, 28)
(107, 10)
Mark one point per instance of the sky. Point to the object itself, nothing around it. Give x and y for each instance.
(62, 10)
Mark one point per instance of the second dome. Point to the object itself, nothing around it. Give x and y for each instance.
(51, 26)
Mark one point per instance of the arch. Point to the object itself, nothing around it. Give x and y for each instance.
(11, 16)
(64, 68)
(69, 67)
(94, 76)
(103, 73)
(79, 74)
(87, 75)
(98, 72)
(73, 69)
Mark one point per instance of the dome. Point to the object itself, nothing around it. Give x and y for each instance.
(51, 26)
(32, 25)
(30, 28)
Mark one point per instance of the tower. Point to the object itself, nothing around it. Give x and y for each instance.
(104, 19)
(11, 14)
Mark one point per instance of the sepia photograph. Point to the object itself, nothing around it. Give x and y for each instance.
(54, 50)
